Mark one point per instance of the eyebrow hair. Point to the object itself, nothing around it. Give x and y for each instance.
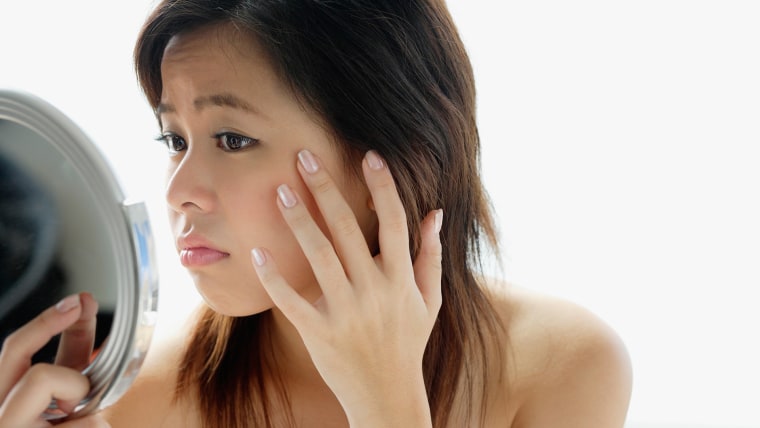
(218, 100)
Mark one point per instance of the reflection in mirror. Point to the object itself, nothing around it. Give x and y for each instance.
(53, 235)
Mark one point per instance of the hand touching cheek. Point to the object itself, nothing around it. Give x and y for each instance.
(368, 333)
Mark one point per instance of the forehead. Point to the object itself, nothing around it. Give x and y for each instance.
(216, 55)
(221, 38)
(213, 62)
(202, 66)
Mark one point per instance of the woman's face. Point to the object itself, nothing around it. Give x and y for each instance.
(234, 131)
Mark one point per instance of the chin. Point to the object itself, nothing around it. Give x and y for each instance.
(234, 304)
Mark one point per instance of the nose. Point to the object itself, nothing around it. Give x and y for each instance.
(189, 187)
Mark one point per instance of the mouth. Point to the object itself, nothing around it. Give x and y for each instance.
(196, 252)
(200, 256)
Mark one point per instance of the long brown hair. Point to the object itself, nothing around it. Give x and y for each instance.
(387, 75)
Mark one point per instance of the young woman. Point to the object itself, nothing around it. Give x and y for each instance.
(324, 194)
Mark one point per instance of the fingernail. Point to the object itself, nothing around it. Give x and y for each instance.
(373, 160)
(68, 303)
(307, 161)
(286, 196)
(438, 220)
(258, 257)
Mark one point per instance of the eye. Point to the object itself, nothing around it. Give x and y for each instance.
(174, 143)
(230, 142)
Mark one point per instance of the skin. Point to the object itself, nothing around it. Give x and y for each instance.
(25, 390)
(232, 203)
(350, 328)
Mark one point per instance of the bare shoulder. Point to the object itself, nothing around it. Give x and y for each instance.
(149, 400)
(565, 366)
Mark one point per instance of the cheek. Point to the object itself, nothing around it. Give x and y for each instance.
(255, 220)
(252, 219)
(251, 209)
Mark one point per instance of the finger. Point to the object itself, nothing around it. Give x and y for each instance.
(296, 309)
(75, 348)
(19, 346)
(393, 233)
(347, 236)
(427, 265)
(33, 392)
(319, 251)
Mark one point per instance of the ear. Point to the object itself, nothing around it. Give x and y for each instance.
(370, 204)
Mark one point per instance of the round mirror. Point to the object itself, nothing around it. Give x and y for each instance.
(66, 228)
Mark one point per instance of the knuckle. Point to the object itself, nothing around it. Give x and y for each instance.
(288, 306)
(332, 337)
(47, 320)
(80, 330)
(299, 219)
(11, 342)
(38, 373)
(324, 255)
(385, 182)
(345, 224)
(360, 276)
(435, 265)
(436, 255)
(321, 185)
(396, 224)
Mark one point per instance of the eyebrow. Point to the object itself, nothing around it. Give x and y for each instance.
(215, 100)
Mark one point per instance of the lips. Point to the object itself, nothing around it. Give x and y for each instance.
(200, 256)
(196, 251)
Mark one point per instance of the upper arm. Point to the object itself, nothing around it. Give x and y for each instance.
(585, 376)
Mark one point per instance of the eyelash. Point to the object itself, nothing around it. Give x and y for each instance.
(171, 141)
(168, 139)
(244, 142)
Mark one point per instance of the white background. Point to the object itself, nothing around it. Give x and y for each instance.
(621, 148)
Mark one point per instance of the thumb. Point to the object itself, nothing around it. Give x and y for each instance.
(427, 265)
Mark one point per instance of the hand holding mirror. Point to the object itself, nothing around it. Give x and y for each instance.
(65, 228)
